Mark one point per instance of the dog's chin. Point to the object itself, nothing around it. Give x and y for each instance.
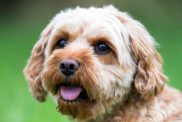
(73, 100)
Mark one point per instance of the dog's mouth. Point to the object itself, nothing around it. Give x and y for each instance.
(72, 92)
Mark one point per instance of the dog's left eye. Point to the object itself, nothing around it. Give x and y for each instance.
(102, 48)
(62, 43)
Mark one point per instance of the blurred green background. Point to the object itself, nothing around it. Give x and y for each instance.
(21, 22)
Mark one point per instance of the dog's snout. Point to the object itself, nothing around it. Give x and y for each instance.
(69, 66)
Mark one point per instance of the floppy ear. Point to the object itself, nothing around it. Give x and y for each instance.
(34, 65)
(149, 78)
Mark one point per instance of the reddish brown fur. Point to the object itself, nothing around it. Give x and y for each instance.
(52, 78)
(33, 68)
(149, 79)
(145, 98)
(109, 59)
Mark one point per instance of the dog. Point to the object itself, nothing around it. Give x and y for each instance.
(101, 65)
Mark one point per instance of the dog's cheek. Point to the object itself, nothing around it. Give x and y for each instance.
(50, 75)
(120, 82)
(101, 79)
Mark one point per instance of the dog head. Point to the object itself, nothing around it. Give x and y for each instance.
(90, 60)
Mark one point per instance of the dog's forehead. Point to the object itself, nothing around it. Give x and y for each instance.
(84, 18)
(86, 15)
(91, 22)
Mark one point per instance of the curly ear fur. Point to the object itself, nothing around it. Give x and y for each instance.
(34, 65)
(149, 78)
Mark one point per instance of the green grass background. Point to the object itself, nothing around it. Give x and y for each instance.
(21, 22)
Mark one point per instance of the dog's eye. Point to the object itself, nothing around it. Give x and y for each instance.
(62, 43)
(101, 48)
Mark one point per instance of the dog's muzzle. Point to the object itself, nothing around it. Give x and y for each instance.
(68, 90)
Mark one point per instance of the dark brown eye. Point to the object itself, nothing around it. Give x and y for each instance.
(62, 43)
(102, 48)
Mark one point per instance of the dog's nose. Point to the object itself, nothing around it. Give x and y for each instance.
(69, 66)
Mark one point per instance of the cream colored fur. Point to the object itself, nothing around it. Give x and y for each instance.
(126, 85)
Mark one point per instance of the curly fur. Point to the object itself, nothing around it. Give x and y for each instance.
(125, 85)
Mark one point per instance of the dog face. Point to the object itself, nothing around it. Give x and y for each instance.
(90, 60)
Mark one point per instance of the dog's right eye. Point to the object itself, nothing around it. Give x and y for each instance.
(62, 43)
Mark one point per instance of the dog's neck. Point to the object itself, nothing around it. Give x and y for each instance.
(140, 110)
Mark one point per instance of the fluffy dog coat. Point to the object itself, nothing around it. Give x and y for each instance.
(124, 84)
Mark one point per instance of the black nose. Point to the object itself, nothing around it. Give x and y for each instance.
(69, 66)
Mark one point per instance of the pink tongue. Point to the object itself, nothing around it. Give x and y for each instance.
(70, 93)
